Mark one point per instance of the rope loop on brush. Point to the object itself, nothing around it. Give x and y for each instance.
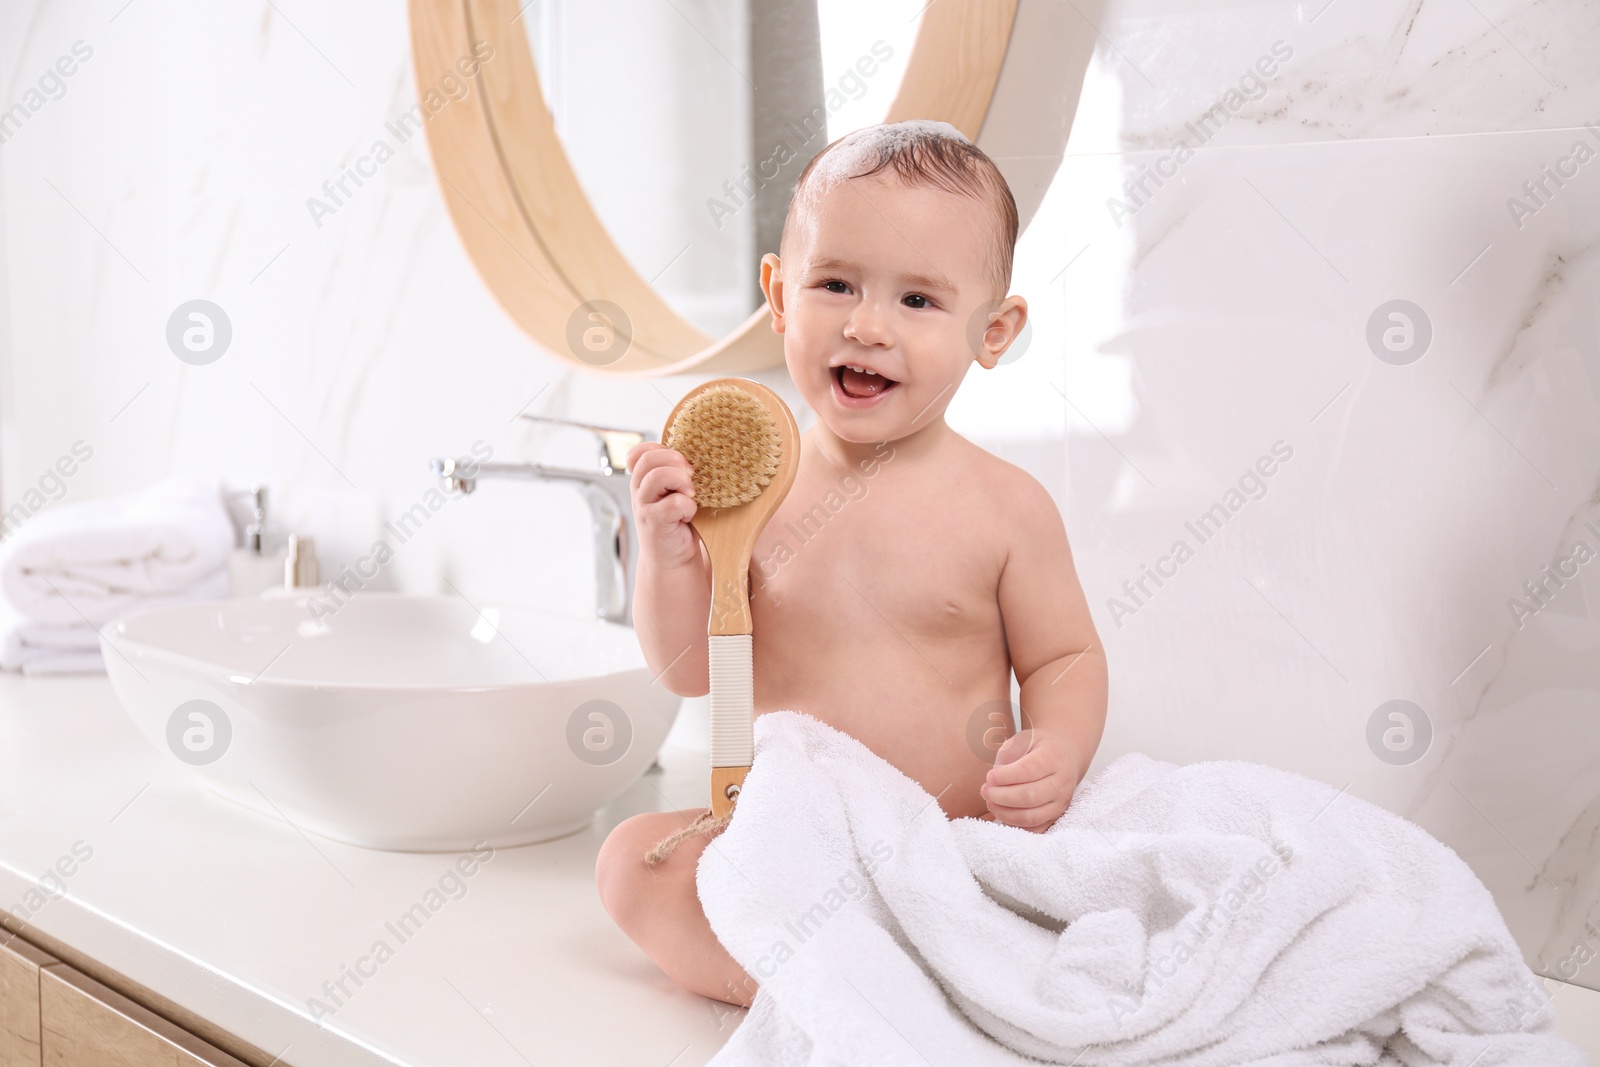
(705, 824)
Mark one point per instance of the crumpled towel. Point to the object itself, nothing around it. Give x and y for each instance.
(1215, 915)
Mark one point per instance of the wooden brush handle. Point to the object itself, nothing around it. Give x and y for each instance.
(730, 573)
(725, 781)
(729, 535)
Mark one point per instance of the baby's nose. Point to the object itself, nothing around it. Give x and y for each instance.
(867, 327)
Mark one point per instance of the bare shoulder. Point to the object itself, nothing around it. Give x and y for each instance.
(1010, 492)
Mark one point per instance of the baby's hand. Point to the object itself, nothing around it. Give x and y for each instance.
(1032, 779)
(663, 502)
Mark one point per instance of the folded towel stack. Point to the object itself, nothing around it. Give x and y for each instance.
(73, 568)
(39, 648)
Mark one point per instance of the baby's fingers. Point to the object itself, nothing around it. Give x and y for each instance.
(670, 510)
(647, 456)
(1025, 795)
(662, 480)
(1019, 760)
(639, 450)
(1028, 817)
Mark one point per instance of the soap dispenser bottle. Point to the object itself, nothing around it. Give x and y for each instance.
(300, 568)
(300, 573)
(255, 567)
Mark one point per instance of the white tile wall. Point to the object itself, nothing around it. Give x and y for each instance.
(1226, 308)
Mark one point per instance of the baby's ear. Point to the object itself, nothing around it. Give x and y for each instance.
(1005, 320)
(772, 288)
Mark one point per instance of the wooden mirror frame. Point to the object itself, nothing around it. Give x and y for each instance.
(528, 226)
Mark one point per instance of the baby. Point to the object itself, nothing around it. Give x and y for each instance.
(908, 572)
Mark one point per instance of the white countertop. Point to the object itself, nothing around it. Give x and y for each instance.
(240, 919)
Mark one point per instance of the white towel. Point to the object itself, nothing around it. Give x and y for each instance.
(90, 562)
(1215, 915)
(40, 648)
(39, 661)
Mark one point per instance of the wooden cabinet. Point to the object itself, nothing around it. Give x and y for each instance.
(20, 966)
(52, 1015)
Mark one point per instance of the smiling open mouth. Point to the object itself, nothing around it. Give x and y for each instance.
(860, 384)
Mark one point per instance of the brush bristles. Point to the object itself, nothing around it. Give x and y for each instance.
(731, 441)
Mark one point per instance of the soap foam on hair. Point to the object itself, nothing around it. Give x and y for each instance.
(861, 149)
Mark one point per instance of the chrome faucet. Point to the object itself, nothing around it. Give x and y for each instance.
(605, 489)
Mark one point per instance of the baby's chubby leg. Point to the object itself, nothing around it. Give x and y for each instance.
(657, 906)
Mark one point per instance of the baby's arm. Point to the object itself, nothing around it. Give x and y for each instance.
(1059, 662)
(672, 585)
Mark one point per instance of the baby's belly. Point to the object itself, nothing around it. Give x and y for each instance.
(924, 709)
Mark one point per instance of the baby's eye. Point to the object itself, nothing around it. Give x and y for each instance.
(918, 296)
(835, 281)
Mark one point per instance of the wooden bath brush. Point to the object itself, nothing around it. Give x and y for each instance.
(741, 440)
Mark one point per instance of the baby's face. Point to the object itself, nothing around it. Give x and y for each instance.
(877, 304)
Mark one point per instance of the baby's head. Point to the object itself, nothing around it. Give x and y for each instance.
(895, 259)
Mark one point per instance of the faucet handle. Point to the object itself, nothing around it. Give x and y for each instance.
(454, 480)
(615, 444)
(255, 532)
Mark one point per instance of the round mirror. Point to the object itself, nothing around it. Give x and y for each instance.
(629, 241)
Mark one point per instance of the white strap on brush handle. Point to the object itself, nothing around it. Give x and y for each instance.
(733, 700)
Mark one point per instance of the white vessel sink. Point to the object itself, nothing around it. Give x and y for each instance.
(397, 722)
